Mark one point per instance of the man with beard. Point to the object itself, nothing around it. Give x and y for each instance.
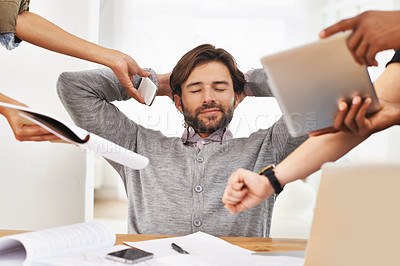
(180, 191)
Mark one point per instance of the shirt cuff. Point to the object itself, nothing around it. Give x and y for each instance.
(395, 59)
(247, 89)
(153, 76)
(9, 40)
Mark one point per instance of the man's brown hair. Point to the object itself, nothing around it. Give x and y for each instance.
(204, 53)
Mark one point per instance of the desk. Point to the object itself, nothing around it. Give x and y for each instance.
(257, 244)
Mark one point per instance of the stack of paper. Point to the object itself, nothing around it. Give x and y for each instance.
(207, 250)
(87, 244)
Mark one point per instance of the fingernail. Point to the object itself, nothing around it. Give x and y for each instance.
(356, 100)
(322, 34)
(368, 100)
(342, 106)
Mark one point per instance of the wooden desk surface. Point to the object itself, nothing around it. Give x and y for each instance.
(257, 244)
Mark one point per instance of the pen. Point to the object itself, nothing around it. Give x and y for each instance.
(179, 249)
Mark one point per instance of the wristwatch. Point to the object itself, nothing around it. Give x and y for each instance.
(269, 173)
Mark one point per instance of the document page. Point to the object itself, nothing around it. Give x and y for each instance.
(89, 258)
(205, 249)
(61, 240)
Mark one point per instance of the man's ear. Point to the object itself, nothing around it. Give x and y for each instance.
(237, 99)
(178, 103)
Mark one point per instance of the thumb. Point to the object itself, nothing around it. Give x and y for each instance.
(130, 89)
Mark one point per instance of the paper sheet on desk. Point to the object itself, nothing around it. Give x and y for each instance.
(92, 258)
(204, 250)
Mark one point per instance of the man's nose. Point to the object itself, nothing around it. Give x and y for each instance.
(208, 94)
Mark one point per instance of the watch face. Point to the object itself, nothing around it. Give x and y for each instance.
(269, 167)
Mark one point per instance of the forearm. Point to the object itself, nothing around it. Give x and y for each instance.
(41, 32)
(257, 82)
(87, 88)
(87, 96)
(315, 151)
(387, 85)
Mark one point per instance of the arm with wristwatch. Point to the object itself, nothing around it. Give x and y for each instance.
(247, 189)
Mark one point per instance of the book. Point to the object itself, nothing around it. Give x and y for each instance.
(82, 138)
(57, 244)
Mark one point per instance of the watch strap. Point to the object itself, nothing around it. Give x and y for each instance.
(269, 173)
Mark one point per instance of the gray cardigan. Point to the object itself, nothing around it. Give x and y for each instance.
(180, 191)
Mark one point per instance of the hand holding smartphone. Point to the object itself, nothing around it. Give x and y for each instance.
(147, 90)
(130, 255)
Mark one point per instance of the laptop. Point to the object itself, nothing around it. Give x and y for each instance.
(309, 80)
(356, 218)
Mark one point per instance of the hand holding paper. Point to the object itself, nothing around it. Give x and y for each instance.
(23, 129)
(82, 138)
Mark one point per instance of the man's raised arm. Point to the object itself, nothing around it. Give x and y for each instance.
(88, 97)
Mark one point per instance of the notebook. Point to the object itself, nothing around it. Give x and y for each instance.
(309, 80)
(357, 218)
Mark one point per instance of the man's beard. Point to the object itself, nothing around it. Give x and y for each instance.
(201, 126)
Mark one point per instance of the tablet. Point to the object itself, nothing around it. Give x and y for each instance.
(309, 80)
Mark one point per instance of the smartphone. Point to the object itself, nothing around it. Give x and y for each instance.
(130, 255)
(147, 90)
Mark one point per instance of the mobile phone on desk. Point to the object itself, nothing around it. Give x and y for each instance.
(148, 90)
(130, 255)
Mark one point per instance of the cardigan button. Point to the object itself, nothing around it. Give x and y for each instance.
(198, 188)
(197, 223)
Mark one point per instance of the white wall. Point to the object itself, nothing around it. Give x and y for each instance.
(42, 184)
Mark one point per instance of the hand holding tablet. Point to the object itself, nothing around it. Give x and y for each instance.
(309, 81)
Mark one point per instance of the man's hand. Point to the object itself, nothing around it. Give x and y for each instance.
(373, 31)
(245, 189)
(164, 88)
(355, 120)
(125, 67)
